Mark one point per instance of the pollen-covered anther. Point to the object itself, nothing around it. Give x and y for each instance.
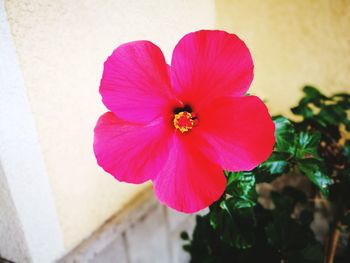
(183, 121)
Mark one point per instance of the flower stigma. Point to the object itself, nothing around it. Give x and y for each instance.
(183, 121)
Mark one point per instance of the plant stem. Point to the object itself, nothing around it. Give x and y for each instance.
(331, 245)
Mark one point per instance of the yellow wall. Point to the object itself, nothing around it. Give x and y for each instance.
(61, 47)
(293, 43)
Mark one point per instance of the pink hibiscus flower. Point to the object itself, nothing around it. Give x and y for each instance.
(181, 125)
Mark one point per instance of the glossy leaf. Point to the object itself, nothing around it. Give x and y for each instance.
(276, 164)
(315, 171)
(285, 135)
(238, 224)
(242, 189)
(308, 144)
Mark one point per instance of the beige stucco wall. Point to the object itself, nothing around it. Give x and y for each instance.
(293, 43)
(61, 47)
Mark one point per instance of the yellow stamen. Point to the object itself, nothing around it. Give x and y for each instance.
(183, 121)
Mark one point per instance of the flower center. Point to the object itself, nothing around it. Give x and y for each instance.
(183, 121)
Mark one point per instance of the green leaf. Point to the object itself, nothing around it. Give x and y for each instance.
(312, 96)
(186, 247)
(215, 215)
(285, 135)
(232, 176)
(241, 188)
(307, 144)
(237, 224)
(184, 235)
(276, 164)
(332, 115)
(315, 171)
(303, 109)
(312, 93)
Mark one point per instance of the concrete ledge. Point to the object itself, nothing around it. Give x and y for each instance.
(145, 231)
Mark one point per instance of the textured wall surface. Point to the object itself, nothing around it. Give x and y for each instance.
(12, 236)
(61, 47)
(10, 227)
(146, 232)
(27, 211)
(293, 43)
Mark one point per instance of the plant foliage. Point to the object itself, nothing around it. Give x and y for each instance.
(313, 152)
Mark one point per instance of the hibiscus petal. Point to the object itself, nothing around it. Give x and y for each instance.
(135, 84)
(240, 129)
(189, 180)
(132, 153)
(206, 64)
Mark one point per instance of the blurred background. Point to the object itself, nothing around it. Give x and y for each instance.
(56, 203)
